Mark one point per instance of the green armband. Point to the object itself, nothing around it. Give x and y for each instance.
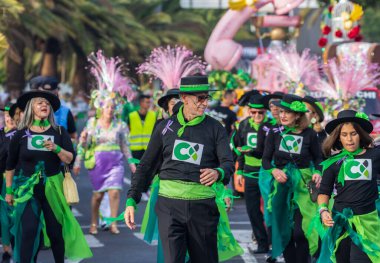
(322, 206)
(9, 190)
(221, 174)
(240, 172)
(131, 202)
(271, 170)
(58, 149)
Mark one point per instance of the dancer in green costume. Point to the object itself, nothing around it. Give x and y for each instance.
(353, 233)
(6, 135)
(289, 152)
(196, 156)
(34, 183)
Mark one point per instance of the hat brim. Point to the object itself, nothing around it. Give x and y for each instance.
(53, 100)
(366, 125)
(376, 115)
(278, 104)
(320, 113)
(12, 110)
(164, 99)
(266, 99)
(198, 91)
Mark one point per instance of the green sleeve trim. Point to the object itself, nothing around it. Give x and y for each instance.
(133, 161)
(131, 202)
(318, 172)
(271, 170)
(9, 190)
(221, 174)
(58, 149)
(240, 172)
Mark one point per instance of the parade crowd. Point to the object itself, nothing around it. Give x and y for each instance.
(311, 188)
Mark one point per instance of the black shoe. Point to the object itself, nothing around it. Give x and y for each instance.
(271, 260)
(6, 258)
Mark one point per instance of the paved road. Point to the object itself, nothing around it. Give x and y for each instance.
(128, 246)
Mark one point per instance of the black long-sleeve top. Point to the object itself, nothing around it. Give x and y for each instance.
(201, 146)
(249, 136)
(304, 149)
(26, 151)
(5, 139)
(359, 191)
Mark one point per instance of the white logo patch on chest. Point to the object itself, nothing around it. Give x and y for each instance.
(36, 142)
(187, 152)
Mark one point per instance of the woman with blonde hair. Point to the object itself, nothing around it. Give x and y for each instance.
(34, 182)
(103, 143)
(290, 154)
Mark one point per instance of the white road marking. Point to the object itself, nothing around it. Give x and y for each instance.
(141, 237)
(243, 237)
(76, 213)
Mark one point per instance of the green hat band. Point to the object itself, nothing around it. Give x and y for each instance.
(194, 88)
(256, 106)
(296, 106)
(362, 115)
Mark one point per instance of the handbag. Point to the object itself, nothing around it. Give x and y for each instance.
(70, 190)
(311, 185)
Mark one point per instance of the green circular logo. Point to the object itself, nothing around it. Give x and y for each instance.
(38, 142)
(183, 151)
(361, 169)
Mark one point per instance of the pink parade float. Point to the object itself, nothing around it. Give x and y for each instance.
(241, 11)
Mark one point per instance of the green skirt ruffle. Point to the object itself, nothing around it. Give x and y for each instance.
(227, 244)
(366, 235)
(5, 218)
(282, 202)
(265, 182)
(76, 247)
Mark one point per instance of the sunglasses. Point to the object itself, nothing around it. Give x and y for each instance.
(201, 98)
(257, 112)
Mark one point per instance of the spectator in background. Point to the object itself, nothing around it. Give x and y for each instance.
(63, 116)
(223, 114)
(141, 125)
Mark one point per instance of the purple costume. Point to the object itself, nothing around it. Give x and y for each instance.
(111, 146)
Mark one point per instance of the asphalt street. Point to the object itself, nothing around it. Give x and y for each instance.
(128, 246)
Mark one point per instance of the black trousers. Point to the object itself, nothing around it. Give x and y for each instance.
(252, 197)
(29, 223)
(349, 252)
(188, 225)
(297, 251)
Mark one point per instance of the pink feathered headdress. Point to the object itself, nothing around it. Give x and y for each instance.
(111, 82)
(171, 64)
(300, 70)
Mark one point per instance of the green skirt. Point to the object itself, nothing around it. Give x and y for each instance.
(283, 200)
(76, 247)
(5, 218)
(366, 235)
(227, 245)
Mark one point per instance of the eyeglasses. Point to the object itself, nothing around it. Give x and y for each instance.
(201, 98)
(257, 112)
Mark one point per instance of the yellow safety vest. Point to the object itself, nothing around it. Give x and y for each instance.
(139, 134)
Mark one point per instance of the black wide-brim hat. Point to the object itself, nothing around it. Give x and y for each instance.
(275, 95)
(376, 115)
(244, 100)
(172, 93)
(44, 82)
(350, 116)
(256, 102)
(292, 103)
(195, 84)
(316, 105)
(10, 108)
(50, 97)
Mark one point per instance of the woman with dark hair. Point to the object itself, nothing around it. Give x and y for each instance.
(6, 135)
(354, 225)
(34, 183)
(290, 154)
(315, 116)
